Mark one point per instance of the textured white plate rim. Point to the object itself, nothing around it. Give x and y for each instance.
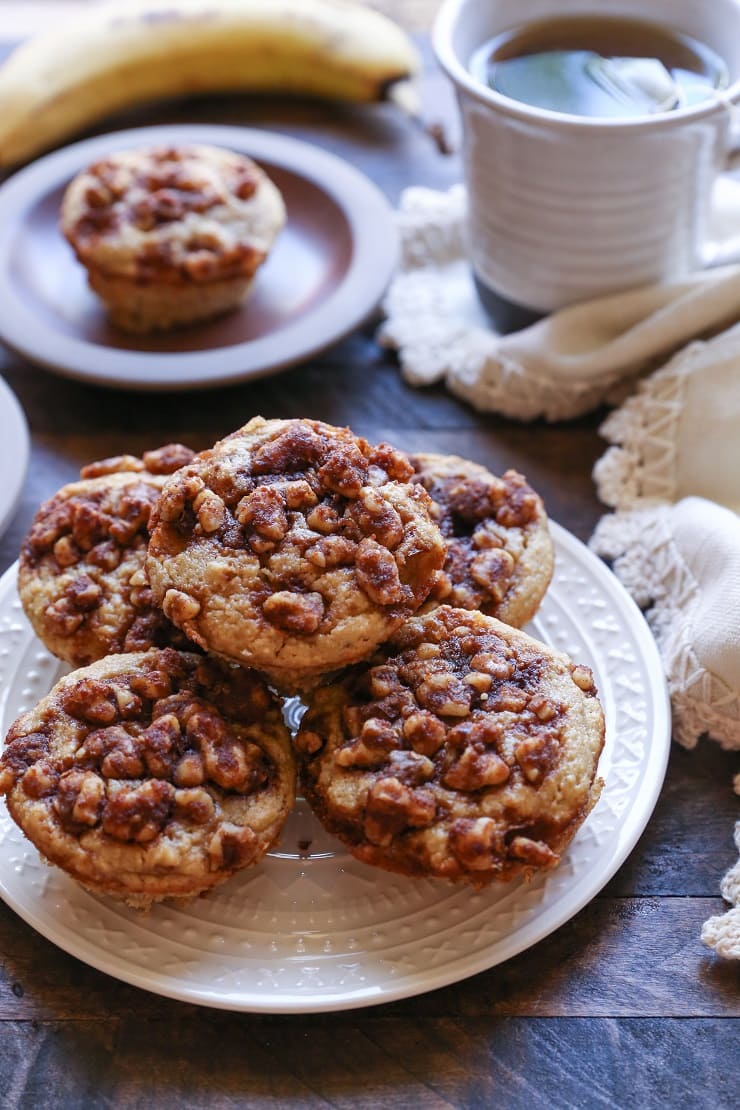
(374, 257)
(15, 446)
(563, 907)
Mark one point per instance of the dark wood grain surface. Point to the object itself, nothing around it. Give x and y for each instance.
(621, 1007)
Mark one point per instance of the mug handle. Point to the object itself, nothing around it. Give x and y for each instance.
(725, 252)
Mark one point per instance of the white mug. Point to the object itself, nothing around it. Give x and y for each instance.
(562, 208)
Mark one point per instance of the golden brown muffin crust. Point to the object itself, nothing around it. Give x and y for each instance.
(499, 552)
(293, 546)
(467, 750)
(151, 775)
(81, 577)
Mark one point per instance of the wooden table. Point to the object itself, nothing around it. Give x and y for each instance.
(621, 1007)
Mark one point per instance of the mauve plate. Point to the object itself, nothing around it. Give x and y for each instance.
(326, 273)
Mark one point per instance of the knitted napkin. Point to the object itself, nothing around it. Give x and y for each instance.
(561, 366)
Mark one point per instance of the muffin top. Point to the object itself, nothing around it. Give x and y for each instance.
(464, 750)
(172, 214)
(499, 552)
(151, 775)
(293, 544)
(81, 574)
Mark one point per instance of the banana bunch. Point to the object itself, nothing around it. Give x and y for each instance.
(131, 51)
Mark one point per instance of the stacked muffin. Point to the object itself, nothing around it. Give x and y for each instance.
(295, 557)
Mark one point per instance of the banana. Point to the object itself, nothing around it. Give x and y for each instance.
(130, 51)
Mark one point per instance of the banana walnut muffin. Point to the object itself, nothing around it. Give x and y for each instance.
(171, 235)
(151, 775)
(294, 547)
(465, 750)
(499, 551)
(81, 574)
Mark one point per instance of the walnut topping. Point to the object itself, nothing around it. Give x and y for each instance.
(137, 812)
(91, 701)
(195, 805)
(445, 694)
(584, 679)
(299, 614)
(477, 842)
(377, 574)
(210, 510)
(40, 780)
(535, 852)
(536, 754)
(475, 770)
(264, 511)
(232, 846)
(372, 747)
(392, 807)
(425, 732)
(180, 607)
(79, 798)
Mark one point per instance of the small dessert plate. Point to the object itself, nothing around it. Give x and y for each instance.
(325, 275)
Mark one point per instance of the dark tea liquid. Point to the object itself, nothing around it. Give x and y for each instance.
(600, 66)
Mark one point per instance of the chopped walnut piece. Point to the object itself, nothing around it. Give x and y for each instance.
(377, 519)
(584, 679)
(344, 471)
(425, 733)
(371, 748)
(492, 570)
(167, 459)
(533, 851)
(40, 780)
(377, 574)
(91, 701)
(475, 770)
(300, 614)
(210, 510)
(477, 843)
(195, 805)
(138, 812)
(189, 771)
(160, 745)
(79, 798)
(392, 807)
(232, 846)
(180, 607)
(308, 743)
(445, 694)
(536, 755)
(66, 552)
(264, 511)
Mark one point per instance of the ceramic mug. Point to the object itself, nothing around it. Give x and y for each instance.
(562, 208)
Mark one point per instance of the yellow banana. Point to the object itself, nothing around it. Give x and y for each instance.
(131, 51)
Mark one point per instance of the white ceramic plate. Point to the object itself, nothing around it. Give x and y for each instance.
(14, 451)
(311, 928)
(325, 274)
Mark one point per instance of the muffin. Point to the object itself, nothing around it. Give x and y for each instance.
(152, 775)
(499, 552)
(465, 750)
(171, 235)
(294, 547)
(81, 575)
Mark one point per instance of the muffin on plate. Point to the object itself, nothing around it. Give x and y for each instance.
(464, 750)
(294, 547)
(499, 552)
(152, 775)
(81, 577)
(171, 235)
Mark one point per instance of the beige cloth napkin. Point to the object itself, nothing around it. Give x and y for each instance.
(563, 365)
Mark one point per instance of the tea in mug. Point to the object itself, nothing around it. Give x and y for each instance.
(598, 66)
